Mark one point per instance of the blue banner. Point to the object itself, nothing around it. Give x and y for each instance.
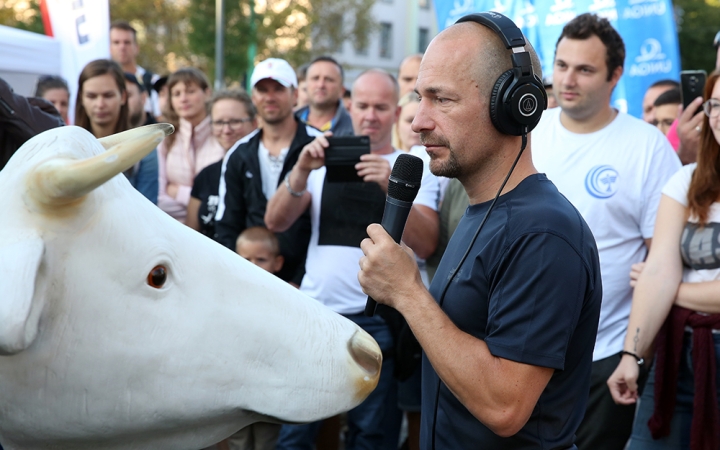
(646, 26)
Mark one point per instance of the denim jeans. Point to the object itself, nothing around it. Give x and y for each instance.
(366, 422)
(679, 438)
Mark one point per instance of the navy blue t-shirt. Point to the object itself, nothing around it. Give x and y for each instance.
(530, 288)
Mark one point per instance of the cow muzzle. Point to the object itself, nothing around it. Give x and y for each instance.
(367, 355)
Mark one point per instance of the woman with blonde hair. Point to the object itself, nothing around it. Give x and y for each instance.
(404, 138)
(182, 155)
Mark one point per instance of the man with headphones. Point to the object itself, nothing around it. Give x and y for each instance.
(508, 325)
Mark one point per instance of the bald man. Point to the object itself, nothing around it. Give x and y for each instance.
(408, 72)
(507, 342)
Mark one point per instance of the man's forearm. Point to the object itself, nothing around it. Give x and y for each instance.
(422, 230)
(283, 209)
(499, 393)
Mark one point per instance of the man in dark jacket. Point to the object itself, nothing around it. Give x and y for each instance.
(22, 118)
(255, 167)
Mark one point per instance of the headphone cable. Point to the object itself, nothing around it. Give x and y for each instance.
(464, 257)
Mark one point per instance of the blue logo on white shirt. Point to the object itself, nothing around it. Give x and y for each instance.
(601, 181)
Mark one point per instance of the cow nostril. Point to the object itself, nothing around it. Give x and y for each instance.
(365, 352)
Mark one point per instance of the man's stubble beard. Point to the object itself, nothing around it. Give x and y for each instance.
(136, 120)
(277, 119)
(450, 168)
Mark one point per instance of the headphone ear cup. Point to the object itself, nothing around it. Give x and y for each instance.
(499, 115)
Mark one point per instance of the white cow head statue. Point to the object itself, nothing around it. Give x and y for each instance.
(122, 328)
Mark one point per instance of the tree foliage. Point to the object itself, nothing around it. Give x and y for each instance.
(173, 33)
(162, 33)
(296, 30)
(697, 21)
(14, 13)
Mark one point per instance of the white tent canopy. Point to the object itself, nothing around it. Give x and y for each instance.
(24, 56)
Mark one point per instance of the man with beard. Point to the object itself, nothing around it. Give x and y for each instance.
(137, 96)
(325, 110)
(340, 213)
(508, 325)
(254, 168)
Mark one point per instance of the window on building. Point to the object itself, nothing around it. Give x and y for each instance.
(423, 39)
(385, 40)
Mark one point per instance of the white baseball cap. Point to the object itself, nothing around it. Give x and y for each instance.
(275, 69)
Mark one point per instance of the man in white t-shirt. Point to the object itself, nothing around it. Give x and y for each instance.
(612, 167)
(339, 215)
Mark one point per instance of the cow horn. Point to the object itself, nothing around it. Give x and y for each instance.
(61, 181)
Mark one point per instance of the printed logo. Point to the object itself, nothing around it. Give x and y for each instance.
(212, 202)
(637, 9)
(650, 50)
(526, 17)
(561, 12)
(601, 181)
(561, 5)
(501, 6)
(460, 8)
(597, 5)
(528, 105)
(604, 8)
(651, 60)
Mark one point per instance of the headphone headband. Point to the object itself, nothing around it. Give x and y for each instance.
(518, 97)
(501, 25)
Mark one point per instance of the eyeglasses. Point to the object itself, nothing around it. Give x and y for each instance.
(234, 124)
(712, 108)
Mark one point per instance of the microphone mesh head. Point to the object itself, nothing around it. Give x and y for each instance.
(405, 178)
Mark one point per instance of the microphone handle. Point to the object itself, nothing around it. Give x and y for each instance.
(393, 221)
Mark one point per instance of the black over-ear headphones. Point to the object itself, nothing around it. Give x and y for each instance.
(518, 97)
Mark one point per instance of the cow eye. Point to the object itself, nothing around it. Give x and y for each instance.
(157, 277)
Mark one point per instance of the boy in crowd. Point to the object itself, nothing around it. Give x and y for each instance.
(260, 246)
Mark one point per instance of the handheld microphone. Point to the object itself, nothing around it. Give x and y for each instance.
(403, 187)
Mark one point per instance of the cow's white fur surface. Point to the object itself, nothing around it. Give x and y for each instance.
(93, 357)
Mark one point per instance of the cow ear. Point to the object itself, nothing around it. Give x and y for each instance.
(19, 263)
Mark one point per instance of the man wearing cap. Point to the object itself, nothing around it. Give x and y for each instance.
(258, 163)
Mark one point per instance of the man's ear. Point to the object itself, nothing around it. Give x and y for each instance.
(617, 73)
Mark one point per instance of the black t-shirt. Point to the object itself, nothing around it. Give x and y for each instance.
(205, 189)
(531, 289)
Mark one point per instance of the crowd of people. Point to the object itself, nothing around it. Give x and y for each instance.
(595, 275)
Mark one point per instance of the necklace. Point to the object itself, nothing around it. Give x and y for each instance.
(276, 162)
